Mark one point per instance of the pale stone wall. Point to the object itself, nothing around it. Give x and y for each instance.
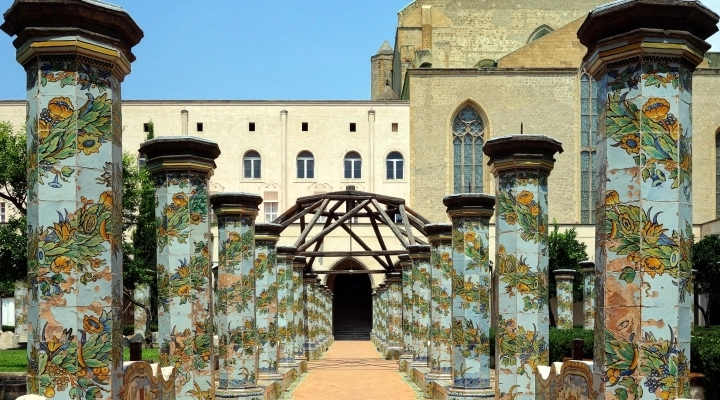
(706, 123)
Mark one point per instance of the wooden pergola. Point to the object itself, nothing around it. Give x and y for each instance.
(379, 209)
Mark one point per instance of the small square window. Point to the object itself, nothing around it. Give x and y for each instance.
(304, 126)
(353, 127)
(146, 127)
(394, 126)
(251, 127)
(199, 126)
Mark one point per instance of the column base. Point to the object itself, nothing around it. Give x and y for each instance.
(393, 353)
(464, 394)
(419, 376)
(269, 376)
(246, 393)
(289, 375)
(302, 361)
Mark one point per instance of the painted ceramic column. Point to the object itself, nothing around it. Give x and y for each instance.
(521, 165)
(181, 167)
(407, 310)
(374, 330)
(382, 316)
(421, 303)
(394, 316)
(286, 310)
(441, 274)
(588, 270)
(21, 310)
(142, 296)
(235, 304)
(471, 288)
(310, 320)
(74, 142)
(300, 311)
(322, 323)
(564, 289)
(266, 299)
(642, 54)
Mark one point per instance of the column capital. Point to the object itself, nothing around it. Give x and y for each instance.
(623, 33)
(94, 29)
(438, 233)
(180, 153)
(393, 277)
(299, 263)
(310, 277)
(268, 232)
(522, 152)
(235, 203)
(564, 274)
(286, 252)
(587, 267)
(470, 205)
(405, 261)
(419, 251)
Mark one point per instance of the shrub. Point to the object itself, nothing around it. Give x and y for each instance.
(561, 343)
(705, 358)
(8, 328)
(128, 330)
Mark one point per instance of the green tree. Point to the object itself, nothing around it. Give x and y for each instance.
(705, 259)
(566, 252)
(13, 254)
(13, 164)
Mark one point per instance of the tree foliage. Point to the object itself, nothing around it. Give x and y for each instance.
(13, 164)
(705, 259)
(13, 254)
(566, 252)
(140, 255)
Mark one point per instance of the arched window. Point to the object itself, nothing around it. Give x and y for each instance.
(394, 165)
(539, 32)
(251, 165)
(468, 131)
(353, 165)
(588, 137)
(305, 165)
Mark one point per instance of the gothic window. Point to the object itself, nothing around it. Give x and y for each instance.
(468, 130)
(251, 165)
(394, 166)
(305, 165)
(353, 165)
(539, 32)
(588, 134)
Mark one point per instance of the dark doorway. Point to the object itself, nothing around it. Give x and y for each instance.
(352, 307)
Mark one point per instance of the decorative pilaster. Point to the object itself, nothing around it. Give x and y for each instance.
(300, 311)
(407, 311)
(471, 288)
(394, 315)
(235, 305)
(286, 307)
(564, 289)
(521, 165)
(588, 271)
(441, 302)
(420, 277)
(266, 300)
(21, 310)
(310, 314)
(74, 213)
(643, 54)
(140, 315)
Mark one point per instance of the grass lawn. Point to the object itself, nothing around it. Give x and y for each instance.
(16, 360)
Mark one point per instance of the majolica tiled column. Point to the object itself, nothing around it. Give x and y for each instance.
(564, 293)
(235, 304)
(420, 276)
(74, 210)
(181, 167)
(382, 316)
(323, 323)
(310, 321)
(407, 310)
(329, 299)
(588, 271)
(300, 311)
(521, 165)
(21, 295)
(642, 54)
(142, 296)
(394, 315)
(286, 310)
(373, 331)
(471, 288)
(266, 299)
(441, 274)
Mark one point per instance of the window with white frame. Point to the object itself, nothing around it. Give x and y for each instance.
(394, 165)
(251, 165)
(270, 205)
(2, 212)
(305, 165)
(353, 165)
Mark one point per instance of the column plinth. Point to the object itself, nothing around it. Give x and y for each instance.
(521, 165)
(588, 271)
(420, 277)
(75, 54)
(266, 299)
(564, 292)
(441, 303)
(643, 54)
(286, 308)
(235, 306)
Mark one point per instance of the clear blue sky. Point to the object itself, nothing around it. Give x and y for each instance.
(249, 50)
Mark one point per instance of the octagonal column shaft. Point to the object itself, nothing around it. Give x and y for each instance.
(310, 320)
(521, 165)
(407, 312)
(564, 288)
(74, 180)
(471, 288)
(142, 296)
(393, 280)
(420, 256)
(322, 317)
(588, 271)
(235, 304)
(301, 317)
(21, 295)
(286, 308)
(643, 54)
(266, 299)
(441, 274)
(181, 167)
(383, 315)
(373, 331)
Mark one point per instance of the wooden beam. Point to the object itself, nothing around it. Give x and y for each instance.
(390, 223)
(369, 253)
(365, 246)
(334, 225)
(379, 237)
(416, 215)
(300, 214)
(290, 211)
(355, 271)
(306, 231)
(327, 223)
(406, 222)
(416, 223)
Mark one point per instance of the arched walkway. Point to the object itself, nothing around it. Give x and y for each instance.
(352, 307)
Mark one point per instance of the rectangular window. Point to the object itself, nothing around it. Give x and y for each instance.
(146, 127)
(352, 169)
(2, 213)
(394, 126)
(394, 169)
(251, 168)
(251, 127)
(199, 126)
(305, 168)
(398, 218)
(304, 126)
(270, 201)
(353, 127)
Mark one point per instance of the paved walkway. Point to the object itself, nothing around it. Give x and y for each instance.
(353, 370)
